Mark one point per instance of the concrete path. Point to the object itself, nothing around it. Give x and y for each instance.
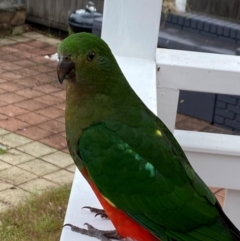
(32, 128)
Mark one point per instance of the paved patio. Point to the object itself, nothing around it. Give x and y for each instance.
(32, 120)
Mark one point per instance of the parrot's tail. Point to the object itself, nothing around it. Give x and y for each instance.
(222, 230)
(235, 232)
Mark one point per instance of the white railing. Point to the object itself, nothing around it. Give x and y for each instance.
(181, 5)
(215, 157)
(130, 27)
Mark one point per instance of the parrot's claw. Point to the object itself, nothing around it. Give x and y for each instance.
(99, 212)
(103, 235)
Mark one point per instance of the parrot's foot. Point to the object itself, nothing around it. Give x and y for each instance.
(103, 235)
(99, 212)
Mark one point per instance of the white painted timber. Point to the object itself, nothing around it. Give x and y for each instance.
(131, 27)
(215, 157)
(181, 5)
(141, 75)
(231, 205)
(193, 71)
(167, 98)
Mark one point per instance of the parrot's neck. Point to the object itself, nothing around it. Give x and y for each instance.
(84, 106)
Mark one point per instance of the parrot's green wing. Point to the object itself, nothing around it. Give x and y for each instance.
(147, 175)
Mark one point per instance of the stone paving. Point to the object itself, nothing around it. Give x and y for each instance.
(32, 128)
(28, 167)
(31, 119)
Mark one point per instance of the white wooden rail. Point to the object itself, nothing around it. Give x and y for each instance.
(216, 157)
(181, 5)
(130, 27)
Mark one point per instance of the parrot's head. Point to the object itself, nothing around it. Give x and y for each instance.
(84, 58)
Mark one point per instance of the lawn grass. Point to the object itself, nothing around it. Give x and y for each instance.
(2, 151)
(40, 218)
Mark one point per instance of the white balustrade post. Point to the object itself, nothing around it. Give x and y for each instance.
(181, 5)
(231, 206)
(131, 27)
(167, 103)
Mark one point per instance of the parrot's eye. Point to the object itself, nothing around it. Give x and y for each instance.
(91, 56)
(67, 58)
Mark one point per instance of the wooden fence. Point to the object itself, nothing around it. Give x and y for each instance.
(223, 8)
(54, 13)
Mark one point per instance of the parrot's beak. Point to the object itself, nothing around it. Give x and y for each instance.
(63, 69)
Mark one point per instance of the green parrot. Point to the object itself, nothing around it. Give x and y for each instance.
(131, 160)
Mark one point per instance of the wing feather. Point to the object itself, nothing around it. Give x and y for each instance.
(153, 188)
